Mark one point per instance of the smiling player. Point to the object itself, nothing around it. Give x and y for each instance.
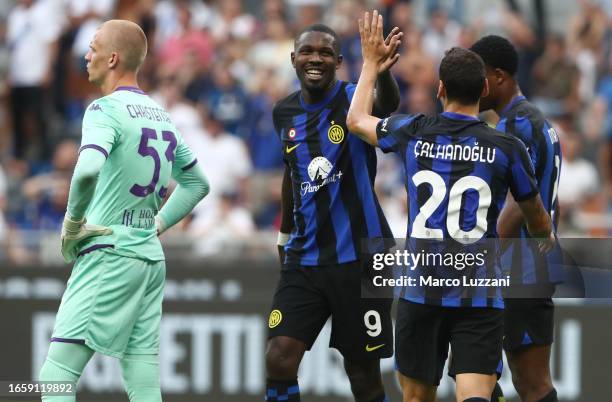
(329, 210)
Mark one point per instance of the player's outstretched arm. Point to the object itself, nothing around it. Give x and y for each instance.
(192, 188)
(287, 223)
(538, 222)
(360, 120)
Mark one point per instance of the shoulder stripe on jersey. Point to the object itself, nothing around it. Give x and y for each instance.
(190, 165)
(96, 147)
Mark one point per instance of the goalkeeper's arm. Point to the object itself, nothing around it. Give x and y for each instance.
(82, 189)
(84, 180)
(192, 187)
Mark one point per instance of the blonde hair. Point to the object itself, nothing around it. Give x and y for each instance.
(127, 39)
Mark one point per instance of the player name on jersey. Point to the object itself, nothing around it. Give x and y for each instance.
(454, 152)
(148, 112)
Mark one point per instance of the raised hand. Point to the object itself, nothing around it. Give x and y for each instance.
(381, 52)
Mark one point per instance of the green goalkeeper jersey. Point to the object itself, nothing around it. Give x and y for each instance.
(143, 150)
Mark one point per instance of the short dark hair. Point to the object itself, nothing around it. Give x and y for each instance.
(497, 52)
(463, 74)
(320, 28)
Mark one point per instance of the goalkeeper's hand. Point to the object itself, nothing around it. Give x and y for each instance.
(73, 232)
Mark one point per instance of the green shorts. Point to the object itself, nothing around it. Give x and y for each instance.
(112, 304)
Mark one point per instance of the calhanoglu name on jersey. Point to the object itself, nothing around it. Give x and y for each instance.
(430, 281)
(454, 152)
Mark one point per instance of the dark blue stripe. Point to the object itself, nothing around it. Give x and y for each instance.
(96, 147)
(189, 165)
(131, 89)
(310, 249)
(94, 248)
(345, 249)
(365, 187)
(294, 389)
(67, 340)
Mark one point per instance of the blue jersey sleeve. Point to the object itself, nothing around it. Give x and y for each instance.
(523, 185)
(394, 131)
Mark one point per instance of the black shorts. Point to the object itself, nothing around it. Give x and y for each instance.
(306, 296)
(423, 333)
(528, 322)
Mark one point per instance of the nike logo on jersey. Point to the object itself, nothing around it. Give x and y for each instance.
(289, 149)
(373, 348)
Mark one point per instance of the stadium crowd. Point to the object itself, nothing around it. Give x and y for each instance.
(218, 67)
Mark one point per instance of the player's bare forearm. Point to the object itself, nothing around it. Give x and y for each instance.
(359, 119)
(387, 94)
(510, 222)
(539, 224)
(510, 219)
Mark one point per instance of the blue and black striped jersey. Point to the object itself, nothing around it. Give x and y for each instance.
(336, 211)
(524, 121)
(458, 172)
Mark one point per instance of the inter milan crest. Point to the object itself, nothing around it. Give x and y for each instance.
(291, 134)
(335, 133)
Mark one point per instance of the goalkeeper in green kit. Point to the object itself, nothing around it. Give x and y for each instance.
(130, 149)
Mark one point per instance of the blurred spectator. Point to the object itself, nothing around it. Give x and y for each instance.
(274, 9)
(415, 67)
(308, 12)
(579, 182)
(33, 28)
(272, 52)
(232, 22)
(46, 194)
(85, 18)
(266, 151)
(167, 22)
(228, 227)
(186, 41)
(440, 34)
(184, 115)
(343, 19)
(584, 38)
(556, 80)
(226, 162)
(227, 101)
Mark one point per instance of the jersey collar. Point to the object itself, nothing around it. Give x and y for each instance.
(458, 116)
(510, 105)
(311, 107)
(131, 89)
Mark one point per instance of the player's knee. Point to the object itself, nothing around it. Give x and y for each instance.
(141, 378)
(282, 360)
